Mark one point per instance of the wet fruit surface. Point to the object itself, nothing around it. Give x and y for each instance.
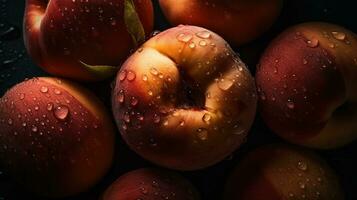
(209, 182)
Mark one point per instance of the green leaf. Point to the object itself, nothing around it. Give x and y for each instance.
(133, 23)
(102, 71)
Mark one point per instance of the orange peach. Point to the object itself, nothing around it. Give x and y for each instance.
(280, 172)
(56, 138)
(151, 184)
(307, 80)
(238, 21)
(184, 100)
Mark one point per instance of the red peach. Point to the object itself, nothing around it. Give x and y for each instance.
(280, 172)
(56, 138)
(60, 34)
(238, 21)
(151, 184)
(307, 82)
(184, 100)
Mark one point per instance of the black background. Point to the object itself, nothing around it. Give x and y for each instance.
(15, 66)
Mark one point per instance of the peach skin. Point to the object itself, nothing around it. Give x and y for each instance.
(184, 100)
(56, 138)
(307, 83)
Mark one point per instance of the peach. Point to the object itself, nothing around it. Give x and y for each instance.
(56, 138)
(61, 35)
(307, 80)
(151, 184)
(184, 100)
(238, 21)
(280, 172)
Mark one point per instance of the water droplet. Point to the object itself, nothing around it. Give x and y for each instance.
(302, 186)
(122, 75)
(134, 101)
(58, 92)
(121, 96)
(145, 78)
(302, 166)
(154, 71)
(150, 92)
(202, 133)
(203, 34)
(225, 84)
(184, 37)
(313, 43)
(290, 104)
(166, 123)
(126, 117)
(61, 112)
(34, 129)
(22, 96)
(203, 43)
(192, 45)
(44, 89)
(331, 45)
(304, 61)
(9, 121)
(49, 106)
(131, 76)
(206, 118)
(339, 35)
(156, 118)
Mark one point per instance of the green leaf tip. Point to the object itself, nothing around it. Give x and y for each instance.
(133, 23)
(102, 71)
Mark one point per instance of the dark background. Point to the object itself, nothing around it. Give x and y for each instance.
(15, 66)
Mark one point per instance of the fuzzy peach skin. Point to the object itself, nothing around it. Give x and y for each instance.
(60, 33)
(151, 184)
(281, 172)
(184, 100)
(56, 138)
(307, 82)
(238, 21)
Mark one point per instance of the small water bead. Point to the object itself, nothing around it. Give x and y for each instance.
(122, 75)
(134, 101)
(150, 93)
(290, 104)
(304, 61)
(184, 37)
(182, 123)
(225, 84)
(131, 76)
(22, 96)
(166, 123)
(339, 35)
(203, 43)
(203, 34)
(49, 106)
(302, 166)
(58, 92)
(313, 43)
(121, 96)
(9, 121)
(206, 118)
(202, 134)
(192, 45)
(154, 71)
(126, 117)
(156, 118)
(44, 89)
(34, 129)
(61, 112)
(145, 78)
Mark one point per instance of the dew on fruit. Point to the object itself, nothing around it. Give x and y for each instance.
(126, 117)
(302, 166)
(131, 76)
(49, 106)
(134, 101)
(61, 112)
(225, 84)
(203, 34)
(304, 61)
(145, 78)
(183, 37)
(150, 92)
(34, 129)
(202, 43)
(339, 35)
(121, 96)
(122, 75)
(312, 43)
(166, 123)
(182, 123)
(9, 121)
(156, 118)
(154, 71)
(57, 91)
(206, 118)
(192, 45)
(22, 96)
(290, 104)
(202, 134)
(44, 89)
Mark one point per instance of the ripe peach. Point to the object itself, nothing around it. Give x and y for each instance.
(61, 35)
(238, 21)
(151, 184)
(184, 100)
(280, 172)
(307, 82)
(56, 138)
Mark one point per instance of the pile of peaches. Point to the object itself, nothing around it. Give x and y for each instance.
(182, 99)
